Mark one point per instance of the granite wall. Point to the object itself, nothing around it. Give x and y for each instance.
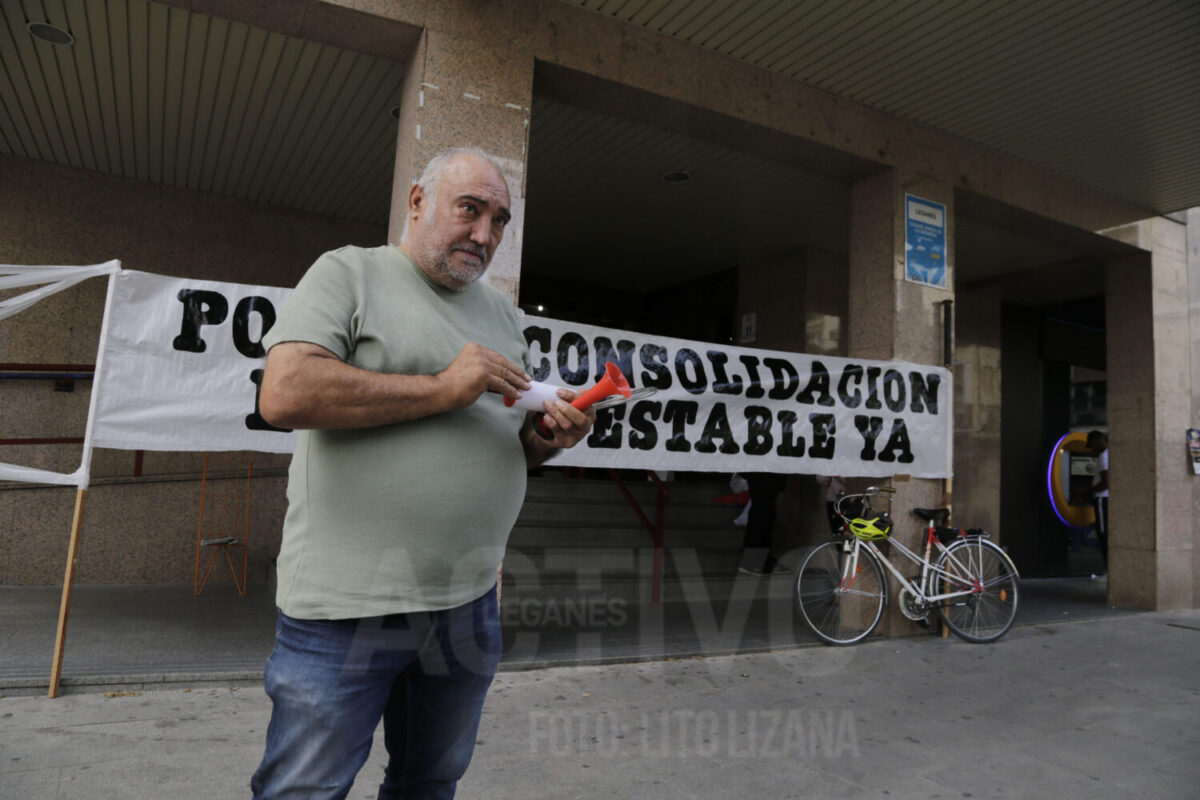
(136, 529)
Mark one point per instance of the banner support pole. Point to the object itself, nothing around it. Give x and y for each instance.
(83, 478)
(64, 608)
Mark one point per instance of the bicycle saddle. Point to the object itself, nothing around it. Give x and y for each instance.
(932, 514)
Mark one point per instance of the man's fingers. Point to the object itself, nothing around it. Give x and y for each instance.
(506, 370)
(562, 416)
(496, 372)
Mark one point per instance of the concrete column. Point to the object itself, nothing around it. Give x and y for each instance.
(977, 409)
(890, 317)
(1193, 268)
(469, 85)
(1152, 538)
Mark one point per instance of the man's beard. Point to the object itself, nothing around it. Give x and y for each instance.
(465, 274)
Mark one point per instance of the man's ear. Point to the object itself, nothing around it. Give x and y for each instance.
(416, 201)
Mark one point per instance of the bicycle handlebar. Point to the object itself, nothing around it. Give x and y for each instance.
(870, 492)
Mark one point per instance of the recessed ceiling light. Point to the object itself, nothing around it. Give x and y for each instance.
(52, 34)
(677, 176)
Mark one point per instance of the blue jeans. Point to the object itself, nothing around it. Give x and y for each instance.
(424, 674)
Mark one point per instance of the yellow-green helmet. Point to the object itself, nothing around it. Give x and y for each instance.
(872, 530)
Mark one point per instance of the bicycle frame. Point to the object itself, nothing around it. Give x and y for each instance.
(920, 585)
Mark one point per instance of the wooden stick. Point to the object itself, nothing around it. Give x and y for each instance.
(68, 583)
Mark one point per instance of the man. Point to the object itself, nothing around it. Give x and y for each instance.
(1097, 442)
(408, 475)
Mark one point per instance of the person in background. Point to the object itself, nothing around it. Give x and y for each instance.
(760, 525)
(833, 486)
(1097, 442)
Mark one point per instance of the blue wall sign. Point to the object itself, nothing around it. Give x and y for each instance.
(924, 241)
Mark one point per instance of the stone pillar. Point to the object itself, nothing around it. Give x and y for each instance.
(890, 317)
(470, 84)
(1152, 535)
(977, 409)
(1193, 269)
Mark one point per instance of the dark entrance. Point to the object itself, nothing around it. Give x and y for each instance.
(1053, 382)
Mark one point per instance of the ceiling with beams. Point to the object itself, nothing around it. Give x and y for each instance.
(1105, 92)
(159, 93)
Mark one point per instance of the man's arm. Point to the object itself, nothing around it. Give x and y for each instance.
(1102, 484)
(306, 386)
(567, 424)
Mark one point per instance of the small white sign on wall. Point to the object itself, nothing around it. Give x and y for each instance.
(749, 327)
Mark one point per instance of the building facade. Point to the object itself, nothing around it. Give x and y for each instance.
(196, 158)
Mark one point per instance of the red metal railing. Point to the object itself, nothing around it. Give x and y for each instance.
(655, 529)
(67, 372)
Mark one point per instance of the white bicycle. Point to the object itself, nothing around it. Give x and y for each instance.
(964, 577)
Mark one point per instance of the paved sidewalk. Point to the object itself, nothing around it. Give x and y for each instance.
(144, 634)
(1100, 708)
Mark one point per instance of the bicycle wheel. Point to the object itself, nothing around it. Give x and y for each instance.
(988, 612)
(841, 606)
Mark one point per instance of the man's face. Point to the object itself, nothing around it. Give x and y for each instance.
(454, 241)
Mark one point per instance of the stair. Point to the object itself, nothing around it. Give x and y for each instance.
(579, 541)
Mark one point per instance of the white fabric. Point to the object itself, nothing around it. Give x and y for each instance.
(153, 396)
(1101, 466)
(14, 472)
(51, 280)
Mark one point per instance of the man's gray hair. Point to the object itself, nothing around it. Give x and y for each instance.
(431, 176)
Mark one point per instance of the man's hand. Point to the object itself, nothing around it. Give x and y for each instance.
(476, 370)
(566, 423)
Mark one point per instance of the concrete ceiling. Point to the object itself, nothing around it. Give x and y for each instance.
(1104, 92)
(159, 93)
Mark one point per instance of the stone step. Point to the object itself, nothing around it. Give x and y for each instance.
(633, 535)
(577, 539)
(635, 590)
(565, 512)
(563, 565)
(604, 490)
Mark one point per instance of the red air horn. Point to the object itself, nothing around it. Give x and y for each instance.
(613, 382)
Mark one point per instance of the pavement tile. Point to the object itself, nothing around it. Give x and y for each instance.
(151, 705)
(991, 774)
(1128, 742)
(30, 784)
(25, 713)
(1102, 709)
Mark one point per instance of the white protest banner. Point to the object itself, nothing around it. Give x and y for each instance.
(183, 359)
(723, 408)
(182, 362)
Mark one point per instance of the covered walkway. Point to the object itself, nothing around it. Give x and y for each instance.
(123, 635)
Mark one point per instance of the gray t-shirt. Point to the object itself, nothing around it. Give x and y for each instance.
(412, 516)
